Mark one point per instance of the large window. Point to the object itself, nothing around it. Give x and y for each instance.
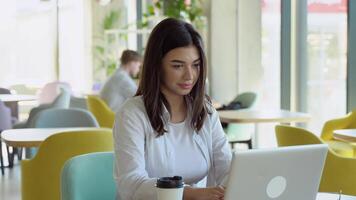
(325, 74)
(269, 94)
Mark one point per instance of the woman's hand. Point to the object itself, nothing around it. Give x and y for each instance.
(211, 193)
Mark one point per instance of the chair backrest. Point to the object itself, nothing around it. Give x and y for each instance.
(12, 105)
(59, 117)
(62, 100)
(51, 90)
(101, 111)
(78, 102)
(89, 177)
(247, 99)
(339, 172)
(5, 118)
(347, 122)
(5, 91)
(40, 176)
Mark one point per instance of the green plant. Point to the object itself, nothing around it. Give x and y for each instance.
(189, 10)
(104, 60)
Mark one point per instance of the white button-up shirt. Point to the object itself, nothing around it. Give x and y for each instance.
(117, 89)
(142, 157)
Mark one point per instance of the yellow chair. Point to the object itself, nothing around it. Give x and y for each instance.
(103, 114)
(340, 147)
(40, 176)
(339, 171)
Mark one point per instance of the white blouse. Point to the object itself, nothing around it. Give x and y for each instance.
(186, 153)
(142, 157)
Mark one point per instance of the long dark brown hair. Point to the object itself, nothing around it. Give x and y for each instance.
(167, 35)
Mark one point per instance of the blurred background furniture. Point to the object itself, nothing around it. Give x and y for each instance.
(339, 171)
(5, 123)
(13, 105)
(33, 137)
(103, 114)
(78, 102)
(241, 133)
(346, 122)
(261, 116)
(51, 90)
(40, 176)
(89, 177)
(61, 101)
(60, 117)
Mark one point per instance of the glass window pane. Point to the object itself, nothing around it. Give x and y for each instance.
(326, 72)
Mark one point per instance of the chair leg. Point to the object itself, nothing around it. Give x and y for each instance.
(232, 144)
(1, 160)
(249, 144)
(10, 156)
(19, 153)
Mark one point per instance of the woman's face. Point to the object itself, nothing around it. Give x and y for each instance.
(180, 68)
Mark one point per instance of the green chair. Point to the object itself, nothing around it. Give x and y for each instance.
(339, 172)
(40, 176)
(89, 177)
(241, 133)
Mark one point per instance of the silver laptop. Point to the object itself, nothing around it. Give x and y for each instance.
(286, 173)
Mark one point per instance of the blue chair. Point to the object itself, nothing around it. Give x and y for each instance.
(62, 101)
(88, 177)
(59, 117)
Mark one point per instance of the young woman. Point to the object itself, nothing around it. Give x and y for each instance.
(170, 128)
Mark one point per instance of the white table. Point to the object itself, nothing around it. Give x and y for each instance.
(328, 196)
(17, 97)
(348, 135)
(261, 116)
(32, 137)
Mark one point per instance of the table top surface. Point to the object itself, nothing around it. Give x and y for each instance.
(329, 196)
(32, 137)
(257, 116)
(345, 134)
(17, 97)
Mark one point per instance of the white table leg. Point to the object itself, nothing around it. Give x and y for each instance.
(255, 137)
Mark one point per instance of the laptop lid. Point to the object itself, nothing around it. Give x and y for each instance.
(286, 173)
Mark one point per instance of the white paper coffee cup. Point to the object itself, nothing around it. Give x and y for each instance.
(170, 188)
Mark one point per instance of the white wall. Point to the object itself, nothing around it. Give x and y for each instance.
(250, 69)
(223, 51)
(235, 45)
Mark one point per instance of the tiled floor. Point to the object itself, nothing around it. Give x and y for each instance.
(10, 188)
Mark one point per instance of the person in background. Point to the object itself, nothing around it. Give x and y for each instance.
(170, 127)
(120, 86)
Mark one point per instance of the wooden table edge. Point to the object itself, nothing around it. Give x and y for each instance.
(22, 143)
(290, 120)
(344, 138)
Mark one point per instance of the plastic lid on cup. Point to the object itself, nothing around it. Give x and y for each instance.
(170, 182)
